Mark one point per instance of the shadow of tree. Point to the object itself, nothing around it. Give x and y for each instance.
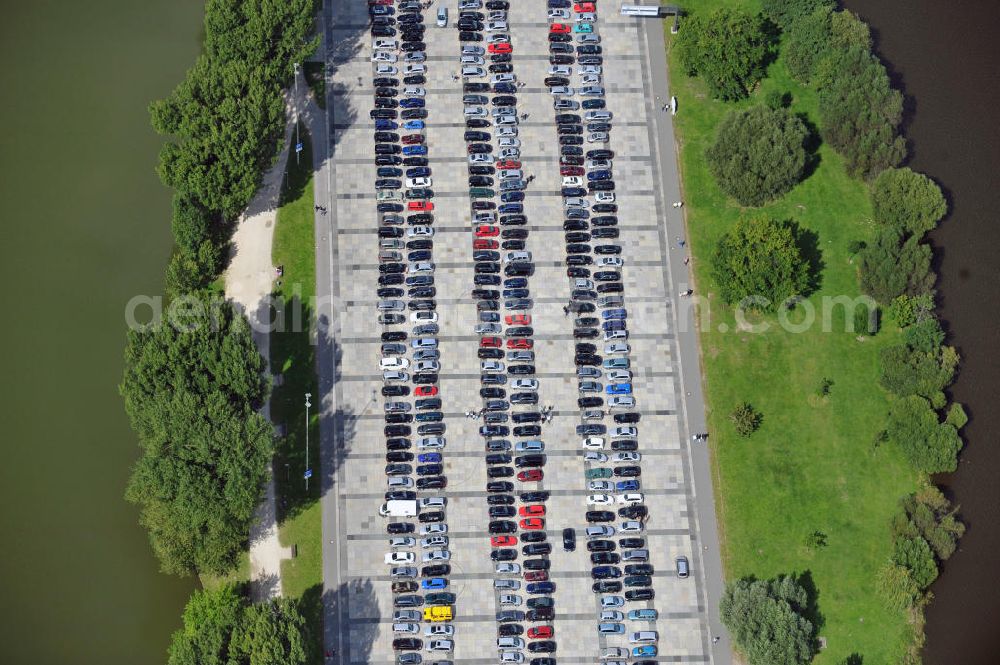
(808, 242)
(811, 610)
(351, 620)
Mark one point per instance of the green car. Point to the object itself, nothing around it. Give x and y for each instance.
(481, 192)
(597, 473)
(441, 598)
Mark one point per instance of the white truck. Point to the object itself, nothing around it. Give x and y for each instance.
(398, 509)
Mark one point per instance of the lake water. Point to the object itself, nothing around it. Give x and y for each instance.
(86, 226)
(946, 57)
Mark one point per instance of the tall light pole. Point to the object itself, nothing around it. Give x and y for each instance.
(308, 472)
(295, 105)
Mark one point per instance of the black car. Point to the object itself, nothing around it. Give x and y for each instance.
(500, 500)
(498, 458)
(535, 549)
(502, 511)
(499, 472)
(625, 444)
(605, 572)
(474, 135)
(529, 461)
(434, 516)
(435, 570)
(500, 486)
(640, 594)
(428, 403)
(395, 528)
(398, 456)
(407, 644)
(601, 546)
(633, 512)
(527, 430)
(542, 646)
(541, 614)
(533, 537)
(475, 87)
(416, 79)
(505, 616)
(627, 471)
(599, 516)
(544, 661)
(395, 391)
(607, 586)
(398, 444)
(638, 581)
(639, 569)
(510, 629)
(536, 496)
(604, 558)
(503, 555)
(432, 483)
(524, 398)
(590, 402)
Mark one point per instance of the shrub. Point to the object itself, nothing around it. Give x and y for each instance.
(760, 259)
(956, 417)
(915, 555)
(727, 48)
(767, 619)
(930, 445)
(759, 154)
(745, 419)
(925, 336)
(895, 586)
(785, 12)
(895, 264)
(906, 371)
(806, 41)
(907, 200)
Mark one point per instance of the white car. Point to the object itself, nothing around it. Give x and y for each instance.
(405, 628)
(388, 44)
(470, 4)
(588, 39)
(436, 555)
(594, 456)
(473, 72)
(402, 541)
(472, 49)
(510, 599)
(591, 79)
(514, 657)
(631, 526)
(480, 158)
(561, 90)
(434, 541)
(505, 568)
(585, 17)
(627, 456)
(573, 181)
(420, 267)
(502, 78)
(393, 363)
(601, 486)
(414, 68)
(491, 366)
(431, 443)
(630, 498)
(505, 120)
(510, 643)
(395, 375)
(473, 60)
(396, 558)
(427, 366)
(498, 38)
(592, 91)
(624, 430)
(420, 231)
(404, 572)
(604, 197)
(445, 629)
(619, 375)
(598, 163)
(383, 56)
(613, 601)
(557, 14)
(432, 529)
(524, 384)
(399, 482)
(415, 56)
(591, 69)
(600, 500)
(424, 317)
(621, 402)
(610, 261)
(507, 585)
(560, 70)
(414, 91)
(440, 645)
(382, 69)
(419, 182)
(593, 443)
(504, 132)
(616, 348)
(611, 615)
(600, 531)
(496, 26)
(598, 137)
(508, 152)
(517, 256)
(509, 142)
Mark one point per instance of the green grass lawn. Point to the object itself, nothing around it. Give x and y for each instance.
(293, 355)
(812, 466)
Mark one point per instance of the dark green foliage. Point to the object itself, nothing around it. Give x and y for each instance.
(192, 387)
(760, 259)
(925, 336)
(759, 154)
(908, 371)
(191, 271)
(860, 112)
(895, 586)
(767, 620)
(906, 310)
(785, 12)
(866, 321)
(895, 264)
(929, 515)
(806, 40)
(222, 628)
(728, 48)
(956, 417)
(915, 555)
(847, 31)
(930, 445)
(745, 419)
(907, 200)
(191, 224)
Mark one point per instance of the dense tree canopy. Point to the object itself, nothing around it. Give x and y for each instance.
(859, 111)
(895, 264)
(762, 259)
(906, 370)
(221, 628)
(759, 154)
(806, 41)
(907, 200)
(192, 396)
(930, 445)
(785, 12)
(767, 620)
(915, 555)
(728, 48)
(929, 515)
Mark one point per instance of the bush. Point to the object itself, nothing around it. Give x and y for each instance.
(895, 586)
(728, 48)
(759, 154)
(745, 419)
(806, 40)
(859, 111)
(191, 224)
(930, 515)
(930, 445)
(190, 271)
(907, 371)
(915, 555)
(895, 264)
(925, 336)
(767, 620)
(956, 417)
(785, 12)
(907, 200)
(906, 310)
(760, 260)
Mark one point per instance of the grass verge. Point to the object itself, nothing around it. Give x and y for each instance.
(293, 356)
(812, 466)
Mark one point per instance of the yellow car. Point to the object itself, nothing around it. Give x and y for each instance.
(438, 613)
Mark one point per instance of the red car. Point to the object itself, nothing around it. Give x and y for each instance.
(540, 632)
(530, 476)
(533, 524)
(490, 343)
(520, 343)
(424, 206)
(571, 170)
(518, 319)
(502, 47)
(559, 28)
(503, 541)
(536, 576)
(534, 510)
(509, 164)
(487, 231)
(485, 243)
(425, 391)
(411, 139)
(581, 7)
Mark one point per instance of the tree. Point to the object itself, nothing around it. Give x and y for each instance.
(192, 388)
(929, 515)
(191, 224)
(760, 260)
(806, 40)
(847, 31)
(915, 555)
(859, 111)
(759, 154)
(222, 628)
(930, 445)
(745, 419)
(895, 264)
(895, 586)
(908, 371)
(767, 620)
(924, 336)
(728, 48)
(907, 200)
(190, 271)
(785, 12)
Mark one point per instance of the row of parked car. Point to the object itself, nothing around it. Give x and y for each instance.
(423, 607)
(512, 419)
(620, 568)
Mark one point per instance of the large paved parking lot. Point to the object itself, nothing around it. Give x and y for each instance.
(358, 581)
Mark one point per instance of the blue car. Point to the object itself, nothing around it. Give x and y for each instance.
(647, 651)
(434, 583)
(418, 172)
(642, 615)
(603, 174)
(619, 389)
(516, 283)
(389, 172)
(413, 124)
(511, 208)
(541, 587)
(412, 103)
(429, 458)
(627, 486)
(614, 324)
(383, 124)
(516, 293)
(510, 197)
(505, 89)
(414, 150)
(619, 313)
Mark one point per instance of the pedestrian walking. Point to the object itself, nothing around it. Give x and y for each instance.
(715, 640)
(685, 294)
(687, 260)
(681, 243)
(665, 108)
(678, 204)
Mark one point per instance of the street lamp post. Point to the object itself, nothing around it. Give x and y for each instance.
(308, 472)
(295, 105)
